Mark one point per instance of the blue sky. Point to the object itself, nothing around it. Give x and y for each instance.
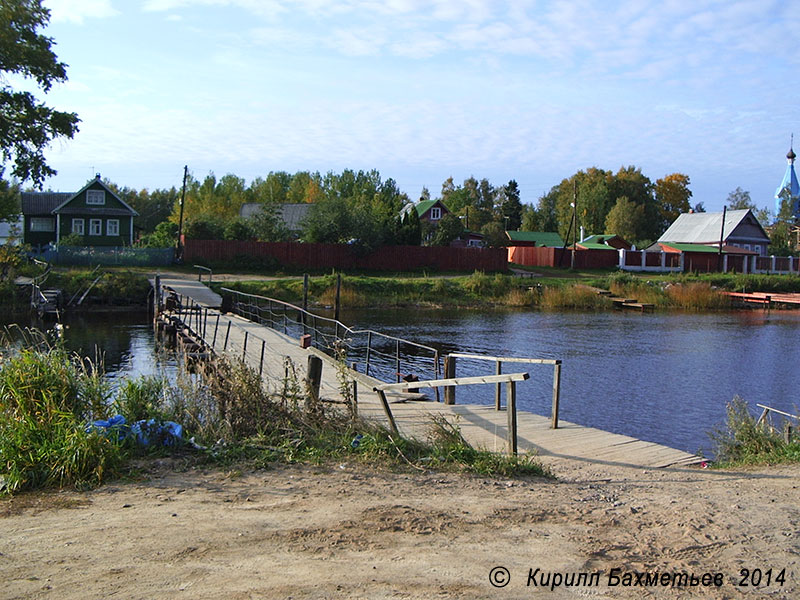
(425, 89)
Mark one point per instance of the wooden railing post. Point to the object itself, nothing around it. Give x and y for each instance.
(314, 376)
(556, 393)
(449, 373)
(511, 409)
(498, 386)
(388, 411)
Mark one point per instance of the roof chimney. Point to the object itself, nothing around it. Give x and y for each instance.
(97, 176)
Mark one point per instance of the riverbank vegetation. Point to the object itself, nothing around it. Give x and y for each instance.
(49, 398)
(745, 441)
(480, 290)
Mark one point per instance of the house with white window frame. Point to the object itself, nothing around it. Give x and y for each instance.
(95, 213)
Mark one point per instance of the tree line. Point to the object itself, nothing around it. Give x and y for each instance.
(356, 207)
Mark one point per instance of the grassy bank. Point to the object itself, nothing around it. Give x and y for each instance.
(48, 397)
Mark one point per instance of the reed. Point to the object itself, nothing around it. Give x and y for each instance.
(574, 297)
(696, 296)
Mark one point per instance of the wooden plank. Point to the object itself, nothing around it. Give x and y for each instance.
(512, 359)
(431, 383)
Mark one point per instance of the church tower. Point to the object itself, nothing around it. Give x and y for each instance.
(789, 186)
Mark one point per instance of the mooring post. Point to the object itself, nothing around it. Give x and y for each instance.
(498, 386)
(556, 393)
(450, 373)
(511, 409)
(314, 376)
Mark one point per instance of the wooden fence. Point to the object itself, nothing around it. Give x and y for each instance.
(343, 256)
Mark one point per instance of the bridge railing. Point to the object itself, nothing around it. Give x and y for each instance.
(376, 354)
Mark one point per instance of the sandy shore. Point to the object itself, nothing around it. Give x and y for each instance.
(341, 531)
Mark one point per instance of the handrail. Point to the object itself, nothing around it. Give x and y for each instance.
(200, 274)
(538, 361)
(450, 370)
(330, 320)
(478, 380)
(768, 409)
(336, 334)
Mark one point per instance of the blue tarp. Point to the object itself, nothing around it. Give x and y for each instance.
(147, 432)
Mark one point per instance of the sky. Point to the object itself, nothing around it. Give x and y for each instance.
(422, 90)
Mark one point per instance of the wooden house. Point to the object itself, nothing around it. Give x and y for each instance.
(95, 213)
(741, 229)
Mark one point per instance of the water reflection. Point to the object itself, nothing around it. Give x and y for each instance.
(122, 340)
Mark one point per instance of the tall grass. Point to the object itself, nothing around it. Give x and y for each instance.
(696, 296)
(46, 398)
(744, 441)
(572, 298)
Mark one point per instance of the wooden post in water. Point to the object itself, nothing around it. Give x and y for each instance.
(450, 373)
(156, 301)
(511, 409)
(556, 393)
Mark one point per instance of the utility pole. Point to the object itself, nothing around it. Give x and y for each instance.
(574, 225)
(179, 251)
(721, 238)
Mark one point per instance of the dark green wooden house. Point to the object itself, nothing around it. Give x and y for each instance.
(95, 213)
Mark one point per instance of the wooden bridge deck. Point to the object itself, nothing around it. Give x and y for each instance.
(482, 426)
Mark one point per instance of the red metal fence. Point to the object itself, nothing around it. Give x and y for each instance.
(540, 256)
(342, 256)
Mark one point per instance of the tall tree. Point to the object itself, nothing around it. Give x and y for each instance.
(739, 199)
(28, 126)
(627, 220)
(511, 207)
(672, 195)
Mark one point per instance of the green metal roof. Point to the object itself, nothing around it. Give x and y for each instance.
(595, 246)
(598, 238)
(540, 238)
(691, 247)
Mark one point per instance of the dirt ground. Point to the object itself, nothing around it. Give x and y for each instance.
(341, 531)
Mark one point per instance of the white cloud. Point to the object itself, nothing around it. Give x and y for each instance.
(77, 11)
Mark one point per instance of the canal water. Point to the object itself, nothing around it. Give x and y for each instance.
(663, 377)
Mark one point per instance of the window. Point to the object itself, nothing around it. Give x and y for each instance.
(95, 197)
(43, 224)
(77, 226)
(436, 213)
(112, 227)
(95, 227)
